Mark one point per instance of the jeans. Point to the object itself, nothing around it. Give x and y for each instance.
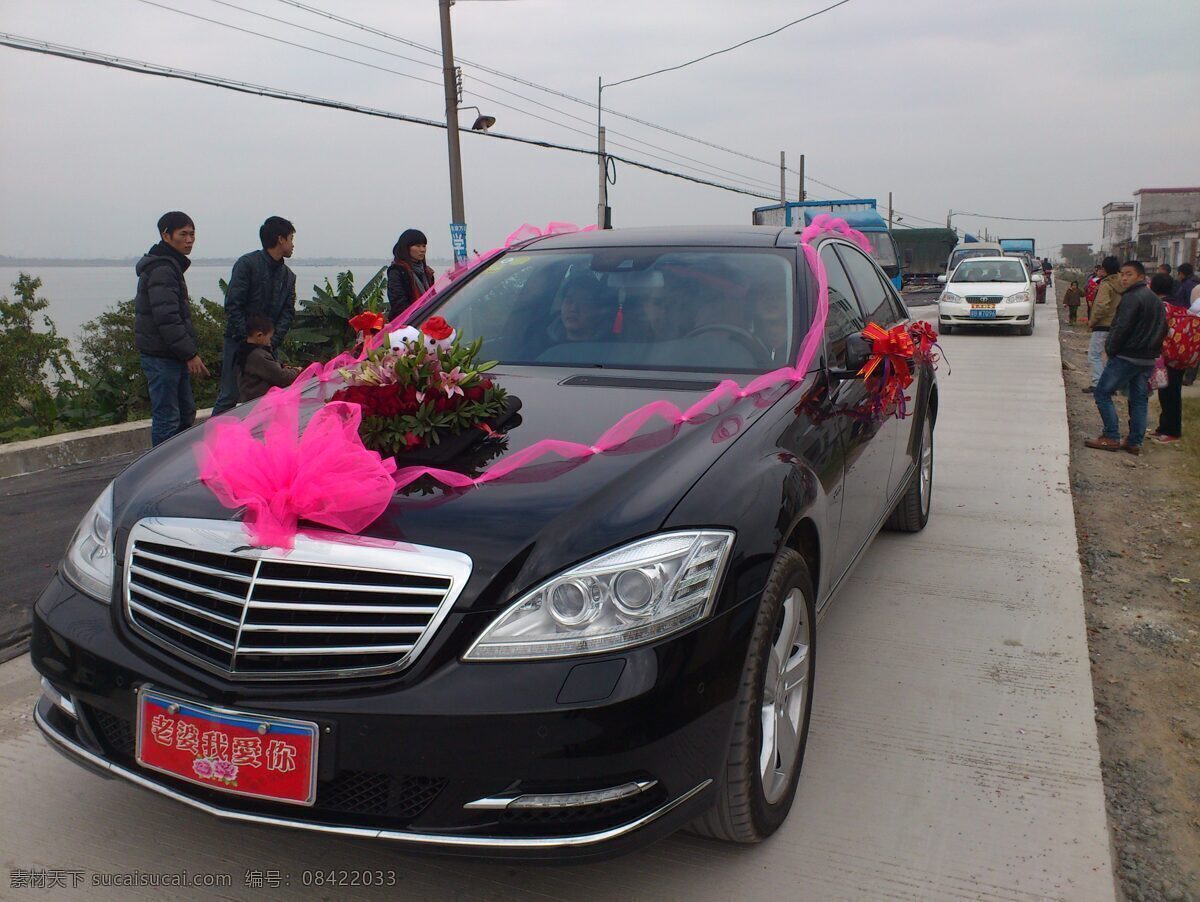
(1170, 422)
(172, 408)
(1096, 355)
(1119, 374)
(227, 397)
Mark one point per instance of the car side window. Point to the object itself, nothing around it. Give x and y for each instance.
(845, 318)
(899, 312)
(872, 297)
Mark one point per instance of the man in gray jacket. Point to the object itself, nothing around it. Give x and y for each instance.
(1134, 341)
(162, 326)
(261, 285)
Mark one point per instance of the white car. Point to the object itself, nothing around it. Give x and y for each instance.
(988, 291)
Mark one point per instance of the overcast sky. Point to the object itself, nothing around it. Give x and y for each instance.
(1021, 108)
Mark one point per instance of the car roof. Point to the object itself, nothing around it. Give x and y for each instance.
(673, 236)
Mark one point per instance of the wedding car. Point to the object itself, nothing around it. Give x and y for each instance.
(988, 291)
(569, 661)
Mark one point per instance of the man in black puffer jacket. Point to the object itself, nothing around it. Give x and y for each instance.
(162, 326)
(1134, 341)
(261, 285)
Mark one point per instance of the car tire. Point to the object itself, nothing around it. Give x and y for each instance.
(946, 329)
(759, 782)
(1028, 329)
(912, 511)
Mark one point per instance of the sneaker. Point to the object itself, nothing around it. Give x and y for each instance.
(1135, 450)
(1088, 390)
(1104, 444)
(1164, 439)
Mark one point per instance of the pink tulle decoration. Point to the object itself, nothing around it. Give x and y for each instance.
(322, 473)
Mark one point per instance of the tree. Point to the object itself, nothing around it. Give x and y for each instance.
(35, 364)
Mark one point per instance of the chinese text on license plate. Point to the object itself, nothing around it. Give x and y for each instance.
(265, 757)
(986, 312)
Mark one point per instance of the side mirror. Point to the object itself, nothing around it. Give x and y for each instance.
(858, 352)
(942, 279)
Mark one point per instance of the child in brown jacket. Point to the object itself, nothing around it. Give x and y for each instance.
(1071, 299)
(256, 366)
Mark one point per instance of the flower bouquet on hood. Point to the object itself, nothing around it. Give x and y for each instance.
(422, 387)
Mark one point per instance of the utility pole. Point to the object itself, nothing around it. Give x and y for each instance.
(458, 216)
(782, 180)
(602, 215)
(889, 211)
(800, 192)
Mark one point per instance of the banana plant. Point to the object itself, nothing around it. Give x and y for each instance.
(322, 329)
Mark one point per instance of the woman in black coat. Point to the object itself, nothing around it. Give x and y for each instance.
(408, 277)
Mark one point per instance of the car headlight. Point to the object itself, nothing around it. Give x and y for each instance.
(1021, 297)
(88, 563)
(949, 297)
(637, 593)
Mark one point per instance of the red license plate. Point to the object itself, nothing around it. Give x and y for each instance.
(248, 754)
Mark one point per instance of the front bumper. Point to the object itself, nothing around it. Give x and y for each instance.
(404, 763)
(1006, 315)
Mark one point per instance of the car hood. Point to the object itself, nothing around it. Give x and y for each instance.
(986, 289)
(539, 519)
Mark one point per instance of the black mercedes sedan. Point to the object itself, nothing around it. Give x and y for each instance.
(568, 662)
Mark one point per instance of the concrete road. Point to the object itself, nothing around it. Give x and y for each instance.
(953, 751)
(38, 515)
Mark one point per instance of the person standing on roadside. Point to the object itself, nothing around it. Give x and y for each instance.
(1170, 398)
(409, 276)
(1093, 285)
(1187, 286)
(1133, 343)
(162, 328)
(261, 284)
(1164, 269)
(1071, 302)
(1100, 317)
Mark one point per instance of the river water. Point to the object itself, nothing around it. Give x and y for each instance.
(78, 294)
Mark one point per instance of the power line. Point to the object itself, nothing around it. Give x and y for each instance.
(747, 180)
(140, 67)
(1026, 219)
(706, 56)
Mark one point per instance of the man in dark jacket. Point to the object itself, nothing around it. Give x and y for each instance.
(262, 284)
(1181, 295)
(162, 326)
(1134, 341)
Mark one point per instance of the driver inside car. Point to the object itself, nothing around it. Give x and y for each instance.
(769, 323)
(586, 314)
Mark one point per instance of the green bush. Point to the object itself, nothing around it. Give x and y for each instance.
(44, 388)
(321, 329)
(35, 363)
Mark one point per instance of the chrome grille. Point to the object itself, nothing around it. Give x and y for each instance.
(982, 299)
(335, 605)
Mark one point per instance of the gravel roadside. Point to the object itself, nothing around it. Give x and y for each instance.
(1138, 524)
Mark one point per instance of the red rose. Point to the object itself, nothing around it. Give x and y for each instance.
(443, 403)
(437, 328)
(367, 322)
(474, 393)
(412, 440)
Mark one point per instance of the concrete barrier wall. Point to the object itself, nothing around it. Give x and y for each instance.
(18, 458)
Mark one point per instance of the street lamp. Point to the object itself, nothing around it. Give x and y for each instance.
(482, 122)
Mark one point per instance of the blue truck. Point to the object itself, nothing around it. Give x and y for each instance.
(860, 213)
(1019, 246)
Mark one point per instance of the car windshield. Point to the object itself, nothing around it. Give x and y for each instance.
(990, 271)
(958, 256)
(720, 310)
(883, 248)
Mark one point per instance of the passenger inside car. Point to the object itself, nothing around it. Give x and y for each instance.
(770, 322)
(587, 312)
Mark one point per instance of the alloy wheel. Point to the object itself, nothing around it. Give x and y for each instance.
(785, 696)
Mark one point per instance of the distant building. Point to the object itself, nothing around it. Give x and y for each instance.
(1078, 256)
(1167, 224)
(1117, 235)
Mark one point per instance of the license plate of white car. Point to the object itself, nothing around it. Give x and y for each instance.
(983, 312)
